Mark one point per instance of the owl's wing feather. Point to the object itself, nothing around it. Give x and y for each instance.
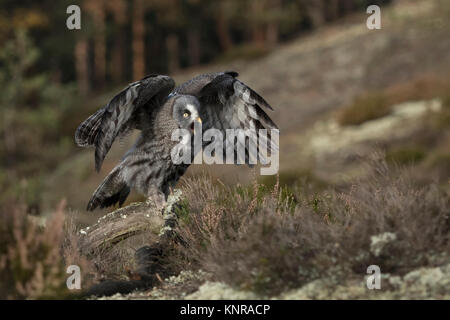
(228, 103)
(122, 114)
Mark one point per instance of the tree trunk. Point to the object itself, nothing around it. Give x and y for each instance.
(316, 13)
(81, 65)
(194, 47)
(138, 40)
(119, 9)
(332, 9)
(118, 58)
(223, 32)
(257, 28)
(346, 6)
(272, 34)
(173, 53)
(273, 24)
(98, 14)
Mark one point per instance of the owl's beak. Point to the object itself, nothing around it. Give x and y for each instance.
(199, 120)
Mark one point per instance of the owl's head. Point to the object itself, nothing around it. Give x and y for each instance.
(186, 112)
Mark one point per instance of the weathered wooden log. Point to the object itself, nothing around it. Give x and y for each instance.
(125, 222)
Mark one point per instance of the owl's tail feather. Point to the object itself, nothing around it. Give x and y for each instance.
(112, 190)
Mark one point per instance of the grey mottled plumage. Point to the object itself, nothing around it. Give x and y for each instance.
(155, 107)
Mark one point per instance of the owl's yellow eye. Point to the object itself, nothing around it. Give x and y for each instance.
(185, 115)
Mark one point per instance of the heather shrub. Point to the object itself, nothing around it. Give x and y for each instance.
(261, 240)
(34, 258)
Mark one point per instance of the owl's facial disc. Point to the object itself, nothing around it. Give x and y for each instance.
(186, 112)
(191, 114)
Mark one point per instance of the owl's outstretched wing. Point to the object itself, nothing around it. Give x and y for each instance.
(227, 103)
(124, 112)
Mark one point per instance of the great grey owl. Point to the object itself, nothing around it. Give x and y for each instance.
(155, 107)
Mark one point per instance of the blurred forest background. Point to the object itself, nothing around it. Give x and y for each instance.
(339, 90)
